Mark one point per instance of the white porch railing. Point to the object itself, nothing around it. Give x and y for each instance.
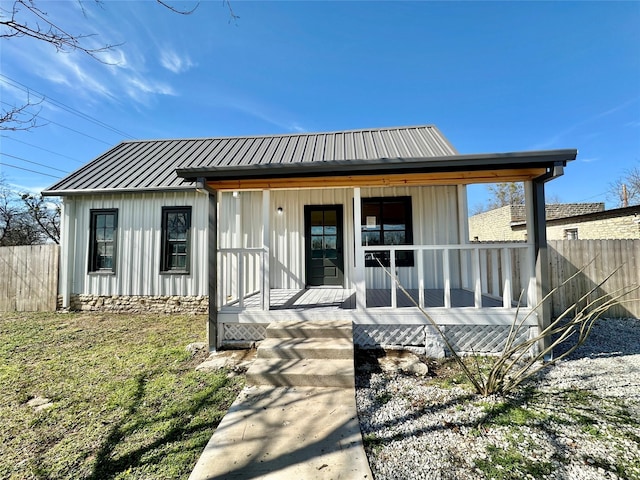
(500, 271)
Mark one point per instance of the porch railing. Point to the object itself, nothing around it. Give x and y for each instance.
(500, 271)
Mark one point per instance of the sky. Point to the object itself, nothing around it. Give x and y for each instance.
(492, 76)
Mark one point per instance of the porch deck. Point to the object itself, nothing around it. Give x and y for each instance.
(344, 299)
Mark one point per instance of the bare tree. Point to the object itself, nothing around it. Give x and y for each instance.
(27, 219)
(44, 214)
(20, 117)
(506, 193)
(625, 190)
(28, 18)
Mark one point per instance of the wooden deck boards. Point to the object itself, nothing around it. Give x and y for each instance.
(343, 299)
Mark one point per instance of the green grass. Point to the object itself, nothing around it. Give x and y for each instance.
(127, 402)
(509, 464)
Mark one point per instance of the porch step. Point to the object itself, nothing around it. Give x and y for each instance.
(302, 372)
(310, 329)
(305, 354)
(306, 348)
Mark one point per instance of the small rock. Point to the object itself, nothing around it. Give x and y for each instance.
(194, 348)
(212, 364)
(404, 362)
(40, 403)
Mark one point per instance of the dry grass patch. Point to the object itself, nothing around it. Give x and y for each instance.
(125, 398)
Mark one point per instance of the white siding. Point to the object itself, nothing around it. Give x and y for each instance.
(287, 236)
(139, 246)
(435, 221)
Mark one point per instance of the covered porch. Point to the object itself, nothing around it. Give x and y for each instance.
(262, 249)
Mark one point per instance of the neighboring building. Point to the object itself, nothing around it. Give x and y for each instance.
(508, 223)
(615, 224)
(267, 228)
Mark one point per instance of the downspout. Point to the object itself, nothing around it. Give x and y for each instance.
(212, 254)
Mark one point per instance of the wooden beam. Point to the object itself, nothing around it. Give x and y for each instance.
(394, 180)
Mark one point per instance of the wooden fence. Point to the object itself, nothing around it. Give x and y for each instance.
(601, 257)
(29, 274)
(29, 278)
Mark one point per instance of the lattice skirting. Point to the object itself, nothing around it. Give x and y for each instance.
(465, 339)
(244, 331)
(481, 339)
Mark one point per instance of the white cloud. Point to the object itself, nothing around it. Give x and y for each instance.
(175, 63)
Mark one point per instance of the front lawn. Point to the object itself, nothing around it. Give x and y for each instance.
(126, 401)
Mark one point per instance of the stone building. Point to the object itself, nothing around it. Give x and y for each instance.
(508, 223)
(618, 223)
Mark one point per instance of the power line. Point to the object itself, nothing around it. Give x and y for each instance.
(76, 131)
(35, 163)
(66, 107)
(28, 170)
(68, 128)
(43, 149)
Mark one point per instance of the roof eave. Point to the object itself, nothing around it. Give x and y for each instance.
(551, 159)
(109, 191)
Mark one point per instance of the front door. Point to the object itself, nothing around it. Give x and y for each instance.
(323, 245)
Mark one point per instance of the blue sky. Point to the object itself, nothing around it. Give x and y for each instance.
(504, 76)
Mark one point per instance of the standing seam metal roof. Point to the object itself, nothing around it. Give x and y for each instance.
(152, 164)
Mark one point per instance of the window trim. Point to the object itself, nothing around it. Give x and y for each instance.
(571, 233)
(164, 242)
(92, 266)
(407, 201)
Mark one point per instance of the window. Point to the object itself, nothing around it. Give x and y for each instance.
(387, 221)
(571, 234)
(176, 225)
(102, 248)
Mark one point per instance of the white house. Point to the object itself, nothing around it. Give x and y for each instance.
(305, 226)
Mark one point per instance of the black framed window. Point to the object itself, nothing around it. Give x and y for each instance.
(176, 228)
(387, 221)
(103, 235)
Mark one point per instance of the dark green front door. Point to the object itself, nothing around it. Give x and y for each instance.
(323, 239)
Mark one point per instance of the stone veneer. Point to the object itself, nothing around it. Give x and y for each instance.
(139, 304)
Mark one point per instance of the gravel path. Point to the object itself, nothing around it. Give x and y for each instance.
(581, 421)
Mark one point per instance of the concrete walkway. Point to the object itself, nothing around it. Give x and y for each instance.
(300, 426)
(303, 433)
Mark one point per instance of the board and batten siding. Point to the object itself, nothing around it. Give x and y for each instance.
(138, 246)
(435, 221)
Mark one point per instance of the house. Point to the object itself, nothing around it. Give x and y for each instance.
(508, 223)
(615, 224)
(565, 221)
(305, 226)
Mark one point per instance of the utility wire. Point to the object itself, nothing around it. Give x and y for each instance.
(66, 107)
(35, 163)
(28, 170)
(69, 128)
(76, 131)
(43, 149)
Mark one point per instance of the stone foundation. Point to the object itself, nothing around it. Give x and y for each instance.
(140, 304)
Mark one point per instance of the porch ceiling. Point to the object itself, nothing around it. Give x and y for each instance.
(390, 180)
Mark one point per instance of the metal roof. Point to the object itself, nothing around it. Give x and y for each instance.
(152, 164)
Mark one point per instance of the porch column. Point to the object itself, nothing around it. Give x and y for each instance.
(537, 234)
(212, 324)
(266, 251)
(361, 292)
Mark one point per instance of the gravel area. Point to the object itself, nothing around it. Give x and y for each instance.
(580, 419)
